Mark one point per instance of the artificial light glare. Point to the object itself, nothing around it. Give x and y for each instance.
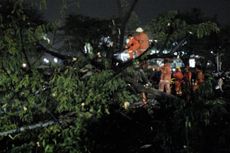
(153, 51)
(24, 65)
(192, 63)
(55, 60)
(46, 60)
(164, 51)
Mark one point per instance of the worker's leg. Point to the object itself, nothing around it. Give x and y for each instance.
(167, 87)
(161, 85)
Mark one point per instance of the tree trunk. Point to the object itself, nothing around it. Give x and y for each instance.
(124, 22)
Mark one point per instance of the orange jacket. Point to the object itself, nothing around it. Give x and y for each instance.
(178, 75)
(143, 39)
(133, 44)
(166, 72)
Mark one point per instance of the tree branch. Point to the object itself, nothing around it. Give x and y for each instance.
(124, 23)
(30, 127)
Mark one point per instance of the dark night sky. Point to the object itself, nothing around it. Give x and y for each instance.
(146, 9)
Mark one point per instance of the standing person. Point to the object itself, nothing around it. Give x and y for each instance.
(199, 78)
(132, 46)
(155, 76)
(165, 77)
(143, 40)
(141, 78)
(187, 86)
(187, 75)
(178, 80)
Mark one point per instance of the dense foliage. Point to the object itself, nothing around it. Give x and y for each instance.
(78, 106)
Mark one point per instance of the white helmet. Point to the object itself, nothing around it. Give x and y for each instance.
(139, 29)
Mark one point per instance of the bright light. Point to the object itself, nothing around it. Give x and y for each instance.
(164, 51)
(160, 62)
(46, 60)
(155, 40)
(74, 59)
(55, 60)
(24, 65)
(154, 51)
(175, 53)
(211, 52)
(169, 24)
(126, 105)
(192, 62)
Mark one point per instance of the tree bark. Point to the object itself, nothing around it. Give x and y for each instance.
(124, 23)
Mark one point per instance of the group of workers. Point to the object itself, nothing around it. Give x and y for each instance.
(137, 44)
(179, 78)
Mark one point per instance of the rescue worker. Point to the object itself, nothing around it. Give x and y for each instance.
(199, 78)
(143, 40)
(132, 46)
(178, 75)
(188, 75)
(187, 84)
(138, 48)
(165, 77)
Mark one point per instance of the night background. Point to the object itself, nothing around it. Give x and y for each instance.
(114, 76)
(146, 9)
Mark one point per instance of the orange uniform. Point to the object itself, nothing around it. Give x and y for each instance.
(132, 46)
(165, 78)
(179, 77)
